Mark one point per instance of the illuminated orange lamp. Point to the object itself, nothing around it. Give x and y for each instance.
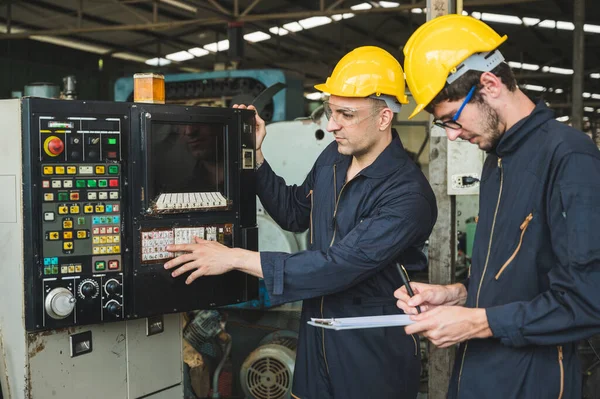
(149, 88)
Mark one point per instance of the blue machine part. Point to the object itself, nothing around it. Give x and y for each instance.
(263, 301)
(288, 104)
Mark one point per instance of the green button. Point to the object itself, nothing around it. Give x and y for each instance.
(47, 270)
(100, 265)
(91, 183)
(80, 221)
(80, 183)
(54, 269)
(63, 196)
(113, 169)
(102, 183)
(112, 141)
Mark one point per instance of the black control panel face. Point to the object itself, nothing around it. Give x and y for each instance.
(105, 191)
(77, 177)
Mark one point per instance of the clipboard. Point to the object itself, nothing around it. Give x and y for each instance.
(353, 323)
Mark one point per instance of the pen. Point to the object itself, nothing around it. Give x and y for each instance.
(405, 281)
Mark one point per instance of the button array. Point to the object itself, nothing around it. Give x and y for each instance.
(50, 266)
(75, 209)
(71, 268)
(106, 249)
(106, 239)
(154, 244)
(106, 220)
(70, 184)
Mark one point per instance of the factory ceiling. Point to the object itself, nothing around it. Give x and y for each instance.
(306, 36)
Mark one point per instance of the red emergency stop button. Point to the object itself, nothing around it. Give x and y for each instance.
(53, 146)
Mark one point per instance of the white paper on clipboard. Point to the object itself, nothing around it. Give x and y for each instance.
(351, 323)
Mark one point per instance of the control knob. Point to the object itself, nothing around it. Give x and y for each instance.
(59, 303)
(113, 307)
(88, 289)
(112, 287)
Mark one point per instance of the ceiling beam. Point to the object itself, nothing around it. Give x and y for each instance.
(247, 18)
(66, 12)
(250, 7)
(219, 7)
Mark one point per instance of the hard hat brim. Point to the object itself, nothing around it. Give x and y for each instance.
(418, 109)
(322, 88)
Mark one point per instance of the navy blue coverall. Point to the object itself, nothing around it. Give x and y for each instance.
(357, 230)
(536, 264)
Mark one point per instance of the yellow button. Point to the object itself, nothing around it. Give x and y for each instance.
(67, 235)
(99, 170)
(102, 250)
(71, 170)
(77, 268)
(60, 170)
(81, 234)
(53, 235)
(116, 239)
(88, 209)
(103, 240)
(74, 209)
(99, 208)
(48, 170)
(109, 240)
(67, 224)
(64, 269)
(96, 250)
(109, 250)
(67, 245)
(63, 210)
(96, 240)
(48, 197)
(116, 249)
(71, 269)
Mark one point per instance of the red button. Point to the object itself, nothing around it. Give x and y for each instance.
(54, 146)
(74, 196)
(113, 264)
(116, 230)
(46, 183)
(111, 154)
(113, 183)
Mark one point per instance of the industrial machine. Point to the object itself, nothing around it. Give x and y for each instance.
(224, 88)
(93, 192)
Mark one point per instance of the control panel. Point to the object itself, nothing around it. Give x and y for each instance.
(106, 187)
(79, 179)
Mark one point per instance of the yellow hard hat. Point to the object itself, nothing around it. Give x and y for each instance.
(439, 46)
(366, 71)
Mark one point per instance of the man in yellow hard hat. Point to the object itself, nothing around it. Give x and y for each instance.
(532, 292)
(367, 206)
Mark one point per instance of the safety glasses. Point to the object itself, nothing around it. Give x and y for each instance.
(453, 122)
(345, 116)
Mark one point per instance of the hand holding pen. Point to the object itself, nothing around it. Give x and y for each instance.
(406, 282)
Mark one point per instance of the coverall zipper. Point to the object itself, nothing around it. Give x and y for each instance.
(484, 267)
(330, 244)
(562, 372)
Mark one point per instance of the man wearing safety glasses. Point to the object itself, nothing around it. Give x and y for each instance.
(367, 206)
(532, 290)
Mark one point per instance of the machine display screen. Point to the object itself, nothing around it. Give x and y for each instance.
(187, 158)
